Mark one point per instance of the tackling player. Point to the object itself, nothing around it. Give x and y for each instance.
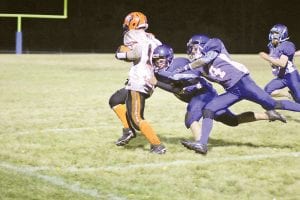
(280, 57)
(139, 46)
(194, 90)
(216, 65)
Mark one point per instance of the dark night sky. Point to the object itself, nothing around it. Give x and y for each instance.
(96, 25)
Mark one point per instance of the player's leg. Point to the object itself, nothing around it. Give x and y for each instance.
(135, 104)
(117, 104)
(196, 129)
(252, 92)
(194, 112)
(231, 119)
(218, 103)
(227, 117)
(274, 88)
(293, 83)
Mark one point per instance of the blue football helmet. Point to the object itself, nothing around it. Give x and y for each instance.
(195, 45)
(279, 32)
(162, 56)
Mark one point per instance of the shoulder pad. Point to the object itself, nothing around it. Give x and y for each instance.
(213, 44)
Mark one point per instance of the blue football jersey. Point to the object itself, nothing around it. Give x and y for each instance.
(221, 69)
(181, 80)
(286, 48)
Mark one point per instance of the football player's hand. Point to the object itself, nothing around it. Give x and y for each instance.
(121, 53)
(152, 80)
(123, 48)
(148, 88)
(192, 88)
(189, 89)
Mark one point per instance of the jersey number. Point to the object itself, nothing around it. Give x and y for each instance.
(216, 72)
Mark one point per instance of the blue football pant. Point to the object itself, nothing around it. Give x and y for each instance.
(197, 104)
(247, 89)
(291, 81)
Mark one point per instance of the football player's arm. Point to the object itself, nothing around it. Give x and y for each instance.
(181, 76)
(192, 88)
(129, 55)
(168, 87)
(165, 74)
(210, 51)
(135, 53)
(200, 62)
(297, 53)
(281, 62)
(163, 85)
(206, 59)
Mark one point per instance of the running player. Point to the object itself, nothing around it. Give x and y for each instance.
(280, 57)
(138, 47)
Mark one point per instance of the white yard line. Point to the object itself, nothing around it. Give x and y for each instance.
(200, 161)
(58, 181)
(61, 130)
(75, 187)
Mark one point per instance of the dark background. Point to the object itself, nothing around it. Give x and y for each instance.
(96, 25)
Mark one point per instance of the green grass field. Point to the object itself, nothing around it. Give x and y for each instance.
(57, 137)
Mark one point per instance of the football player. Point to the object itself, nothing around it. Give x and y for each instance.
(280, 57)
(139, 46)
(195, 90)
(216, 65)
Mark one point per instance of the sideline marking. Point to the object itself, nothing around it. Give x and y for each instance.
(58, 181)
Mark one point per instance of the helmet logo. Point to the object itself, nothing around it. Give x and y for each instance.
(128, 18)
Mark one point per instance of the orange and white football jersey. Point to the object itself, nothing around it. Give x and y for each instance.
(143, 44)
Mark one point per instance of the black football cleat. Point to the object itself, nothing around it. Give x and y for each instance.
(185, 143)
(274, 115)
(158, 149)
(196, 146)
(128, 134)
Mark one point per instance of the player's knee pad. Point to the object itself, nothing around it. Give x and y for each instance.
(116, 99)
(112, 102)
(268, 90)
(207, 113)
(191, 117)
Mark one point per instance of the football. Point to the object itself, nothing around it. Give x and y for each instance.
(123, 49)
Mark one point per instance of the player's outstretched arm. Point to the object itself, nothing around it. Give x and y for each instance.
(281, 62)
